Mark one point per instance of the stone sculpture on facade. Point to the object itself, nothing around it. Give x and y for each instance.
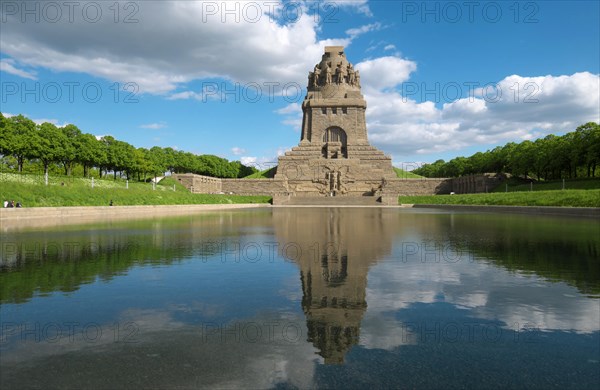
(334, 144)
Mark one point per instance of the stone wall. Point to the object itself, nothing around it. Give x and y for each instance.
(253, 186)
(472, 184)
(200, 184)
(393, 187)
(408, 187)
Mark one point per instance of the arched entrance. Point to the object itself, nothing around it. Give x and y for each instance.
(335, 143)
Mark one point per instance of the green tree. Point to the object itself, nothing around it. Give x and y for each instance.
(72, 138)
(47, 145)
(17, 141)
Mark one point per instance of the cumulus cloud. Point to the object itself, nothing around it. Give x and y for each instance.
(8, 65)
(516, 108)
(172, 43)
(384, 72)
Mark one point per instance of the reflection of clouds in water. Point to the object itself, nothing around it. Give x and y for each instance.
(489, 292)
(172, 354)
(384, 334)
(204, 309)
(40, 340)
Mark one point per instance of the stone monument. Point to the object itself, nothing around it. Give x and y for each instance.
(334, 157)
(333, 164)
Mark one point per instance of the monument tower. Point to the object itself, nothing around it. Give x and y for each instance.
(334, 157)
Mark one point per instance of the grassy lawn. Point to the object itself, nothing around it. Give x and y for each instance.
(31, 191)
(566, 198)
(401, 173)
(266, 174)
(570, 184)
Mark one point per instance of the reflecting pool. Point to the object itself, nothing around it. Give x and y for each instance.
(303, 298)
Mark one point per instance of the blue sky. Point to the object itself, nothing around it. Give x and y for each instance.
(442, 79)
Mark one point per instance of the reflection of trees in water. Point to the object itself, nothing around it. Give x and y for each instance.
(45, 262)
(559, 249)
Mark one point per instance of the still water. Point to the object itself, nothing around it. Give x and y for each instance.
(303, 298)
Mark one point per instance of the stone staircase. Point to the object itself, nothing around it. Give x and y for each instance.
(332, 201)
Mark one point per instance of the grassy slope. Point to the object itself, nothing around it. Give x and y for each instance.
(574, 198)
(401, 173)
(572, 184)
(31, 192)
(266, 174)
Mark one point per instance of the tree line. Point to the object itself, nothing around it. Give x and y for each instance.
(575, 154)
(22, 140)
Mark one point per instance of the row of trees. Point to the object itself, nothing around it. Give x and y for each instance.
(67, 147)
(575, 154)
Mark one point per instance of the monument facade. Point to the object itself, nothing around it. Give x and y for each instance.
(334, 157)
(334, 162)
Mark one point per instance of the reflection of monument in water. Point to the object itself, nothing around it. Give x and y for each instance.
(338, 247)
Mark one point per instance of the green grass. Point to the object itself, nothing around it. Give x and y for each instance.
(401, 173)
(266, 174)
(570, 184)
(31, 191)
(566, 198)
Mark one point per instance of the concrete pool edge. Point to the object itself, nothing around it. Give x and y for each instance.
(55, 216)
(587, 212)
(48, 216)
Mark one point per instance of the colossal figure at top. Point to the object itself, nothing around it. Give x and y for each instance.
(334, 157)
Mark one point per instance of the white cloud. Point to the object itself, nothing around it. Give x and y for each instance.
(355, 32)
(249, 160)
(173, 43)
(293, 115)
(525, 108)
(384, 72)
(237, 151)
(55, 122)
(154, 126)
(8, 65)
(262, 163)
(39, 121)
(293, 108)
(389, 47)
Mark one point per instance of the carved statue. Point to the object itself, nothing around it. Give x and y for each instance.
(351, 75)
(311, 79)
(339, 74)
(328, 74)
(317, 76)
(358, 79)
